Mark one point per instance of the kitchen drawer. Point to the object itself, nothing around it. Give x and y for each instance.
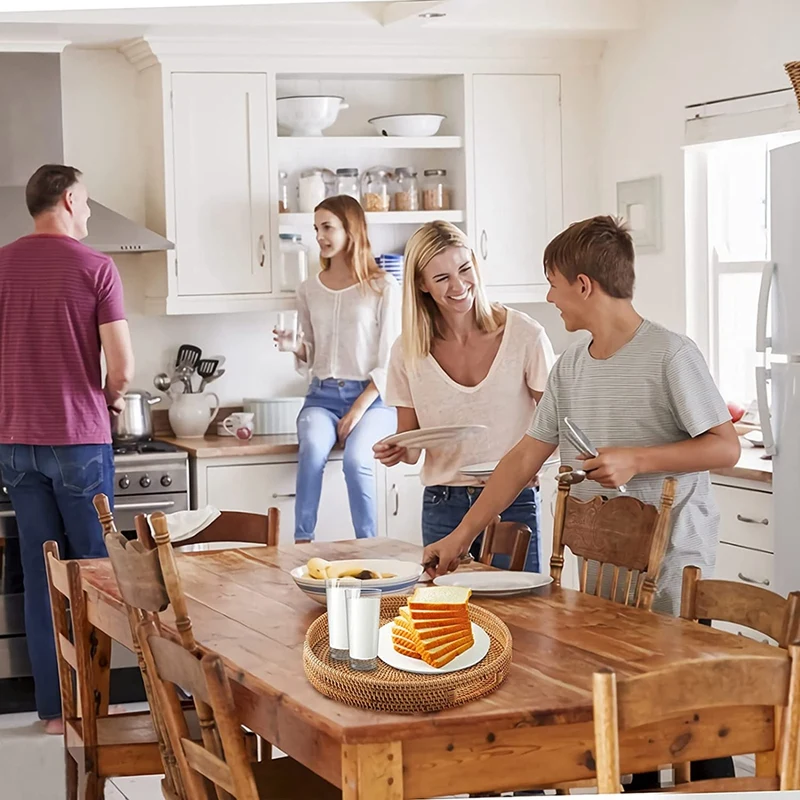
(747, 566)
(745, 518)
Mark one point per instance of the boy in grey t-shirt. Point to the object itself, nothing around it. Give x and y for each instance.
(641, 393)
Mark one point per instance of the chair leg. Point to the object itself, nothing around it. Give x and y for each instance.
(91, 786)
(72, 776)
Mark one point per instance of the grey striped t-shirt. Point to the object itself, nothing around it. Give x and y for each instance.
(654, 390)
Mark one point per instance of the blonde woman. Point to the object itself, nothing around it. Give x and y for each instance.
(462, 360)
(349, 317)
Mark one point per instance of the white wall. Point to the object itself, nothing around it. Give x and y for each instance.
(688, 51)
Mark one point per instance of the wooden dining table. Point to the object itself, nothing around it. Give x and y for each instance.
(534, 730)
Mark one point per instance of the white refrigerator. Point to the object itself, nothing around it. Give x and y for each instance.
(778, 380)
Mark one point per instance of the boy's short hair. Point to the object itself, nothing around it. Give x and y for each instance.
(600, 248)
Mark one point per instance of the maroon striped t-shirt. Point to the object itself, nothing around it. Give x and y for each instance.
(54, 293)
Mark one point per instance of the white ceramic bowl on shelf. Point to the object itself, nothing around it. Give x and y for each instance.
(406, 574)
(308, 115)
(408, 124)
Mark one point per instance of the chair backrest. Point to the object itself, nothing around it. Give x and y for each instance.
(753, 607)
(234, 527)
(508, 539)
(76, 661)
(691, 688)
(623, 533)
(223, 761)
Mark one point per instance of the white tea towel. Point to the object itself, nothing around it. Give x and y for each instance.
(185, 524)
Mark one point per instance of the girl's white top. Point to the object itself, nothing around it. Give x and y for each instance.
(502, 401)
(349, 333)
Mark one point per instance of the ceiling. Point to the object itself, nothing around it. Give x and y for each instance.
(100, 22)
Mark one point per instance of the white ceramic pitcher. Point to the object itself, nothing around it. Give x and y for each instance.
(190, 414)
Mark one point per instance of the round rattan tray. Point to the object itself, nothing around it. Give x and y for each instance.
(399, 692)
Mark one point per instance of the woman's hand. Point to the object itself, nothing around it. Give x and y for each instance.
(349, 421)
(390, 454)
(299, 345)
(445, 555)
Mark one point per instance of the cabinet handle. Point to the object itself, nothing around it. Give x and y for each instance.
(484, 245)
(751, 521)
(764, 582)
(396, 494)
(276, 495)
(262, 247)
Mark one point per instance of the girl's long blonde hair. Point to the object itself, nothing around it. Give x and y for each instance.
(358, 250)
(421, 316)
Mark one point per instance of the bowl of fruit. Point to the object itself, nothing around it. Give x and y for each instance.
(389, 575)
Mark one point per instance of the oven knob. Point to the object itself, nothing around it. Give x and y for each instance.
(124, 482)
(166, 480)
(144, 482)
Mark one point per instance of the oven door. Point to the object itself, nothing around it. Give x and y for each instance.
(13, 649)
(127, 507)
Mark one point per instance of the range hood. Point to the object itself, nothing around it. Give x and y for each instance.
(31, 134)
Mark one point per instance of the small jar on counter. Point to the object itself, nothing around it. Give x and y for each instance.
(347, 183)
(293, 261)
(435, 191)
(283, 193)
(311, 190)
(375, 194)
(405, 193)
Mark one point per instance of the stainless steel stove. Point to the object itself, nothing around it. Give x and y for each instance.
(149, 476)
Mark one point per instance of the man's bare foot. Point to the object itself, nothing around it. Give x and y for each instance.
(54, 727)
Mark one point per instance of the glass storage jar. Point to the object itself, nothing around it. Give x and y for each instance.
(283, 193)
(347, 183)
(375, 189)
(293, 261)
(405, 192)
(435, 191)
(311, 190)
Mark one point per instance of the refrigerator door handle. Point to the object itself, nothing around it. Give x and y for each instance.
(762, 376)
(762, 340)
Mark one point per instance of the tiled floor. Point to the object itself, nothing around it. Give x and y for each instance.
(32, 765)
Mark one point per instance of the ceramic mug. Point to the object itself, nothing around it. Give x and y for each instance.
(239, 424)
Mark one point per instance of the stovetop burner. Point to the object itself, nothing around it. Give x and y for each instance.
(131, 448)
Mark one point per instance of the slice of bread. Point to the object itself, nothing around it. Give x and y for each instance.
(426, 634)
(437, 656)
(446, 658)
(431, 619)
(451, 598)
(427, 644)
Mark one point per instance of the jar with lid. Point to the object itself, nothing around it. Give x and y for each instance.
(293, 261)
(311, 189)
(347, 182)
(283, 193)
(435, 191)
(375, 189)
(405, 192)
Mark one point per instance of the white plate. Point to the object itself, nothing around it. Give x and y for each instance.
(497, 583)
(488, 467)
(430, 437)
(469, 658)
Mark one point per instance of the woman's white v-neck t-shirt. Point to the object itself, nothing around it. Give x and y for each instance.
(502, 401)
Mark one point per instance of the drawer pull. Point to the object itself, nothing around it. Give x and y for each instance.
(751, 521)
(276, 495)
(764, 582)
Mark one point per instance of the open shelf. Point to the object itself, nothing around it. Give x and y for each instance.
(373, 142)
(380, 218)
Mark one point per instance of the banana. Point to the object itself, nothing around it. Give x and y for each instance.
(317, 568)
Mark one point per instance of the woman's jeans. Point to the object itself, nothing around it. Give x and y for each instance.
(51, 491)
(326, 403)
(443, 508)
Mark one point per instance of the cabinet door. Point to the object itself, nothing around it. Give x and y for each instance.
(517, 147)
(256, 487)
(745, 518)
(404, 504)
(221, 181)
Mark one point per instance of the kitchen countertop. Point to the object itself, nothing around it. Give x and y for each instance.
(228, 446)
(751, 467)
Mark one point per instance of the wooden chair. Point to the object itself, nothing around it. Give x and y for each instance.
(506, 539)
(622, 533)
(753, 607)
(662, 712)
(97, 746)
(222, 761)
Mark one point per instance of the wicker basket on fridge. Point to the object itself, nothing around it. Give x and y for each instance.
(793, 71)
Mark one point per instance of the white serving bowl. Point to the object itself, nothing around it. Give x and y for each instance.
(408, 124)
(407, 574)
(308, 115)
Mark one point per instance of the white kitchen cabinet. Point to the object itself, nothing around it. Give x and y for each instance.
(256, 486)
(745, 517)
(404, 492)
(517, 179)
(221, 183)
